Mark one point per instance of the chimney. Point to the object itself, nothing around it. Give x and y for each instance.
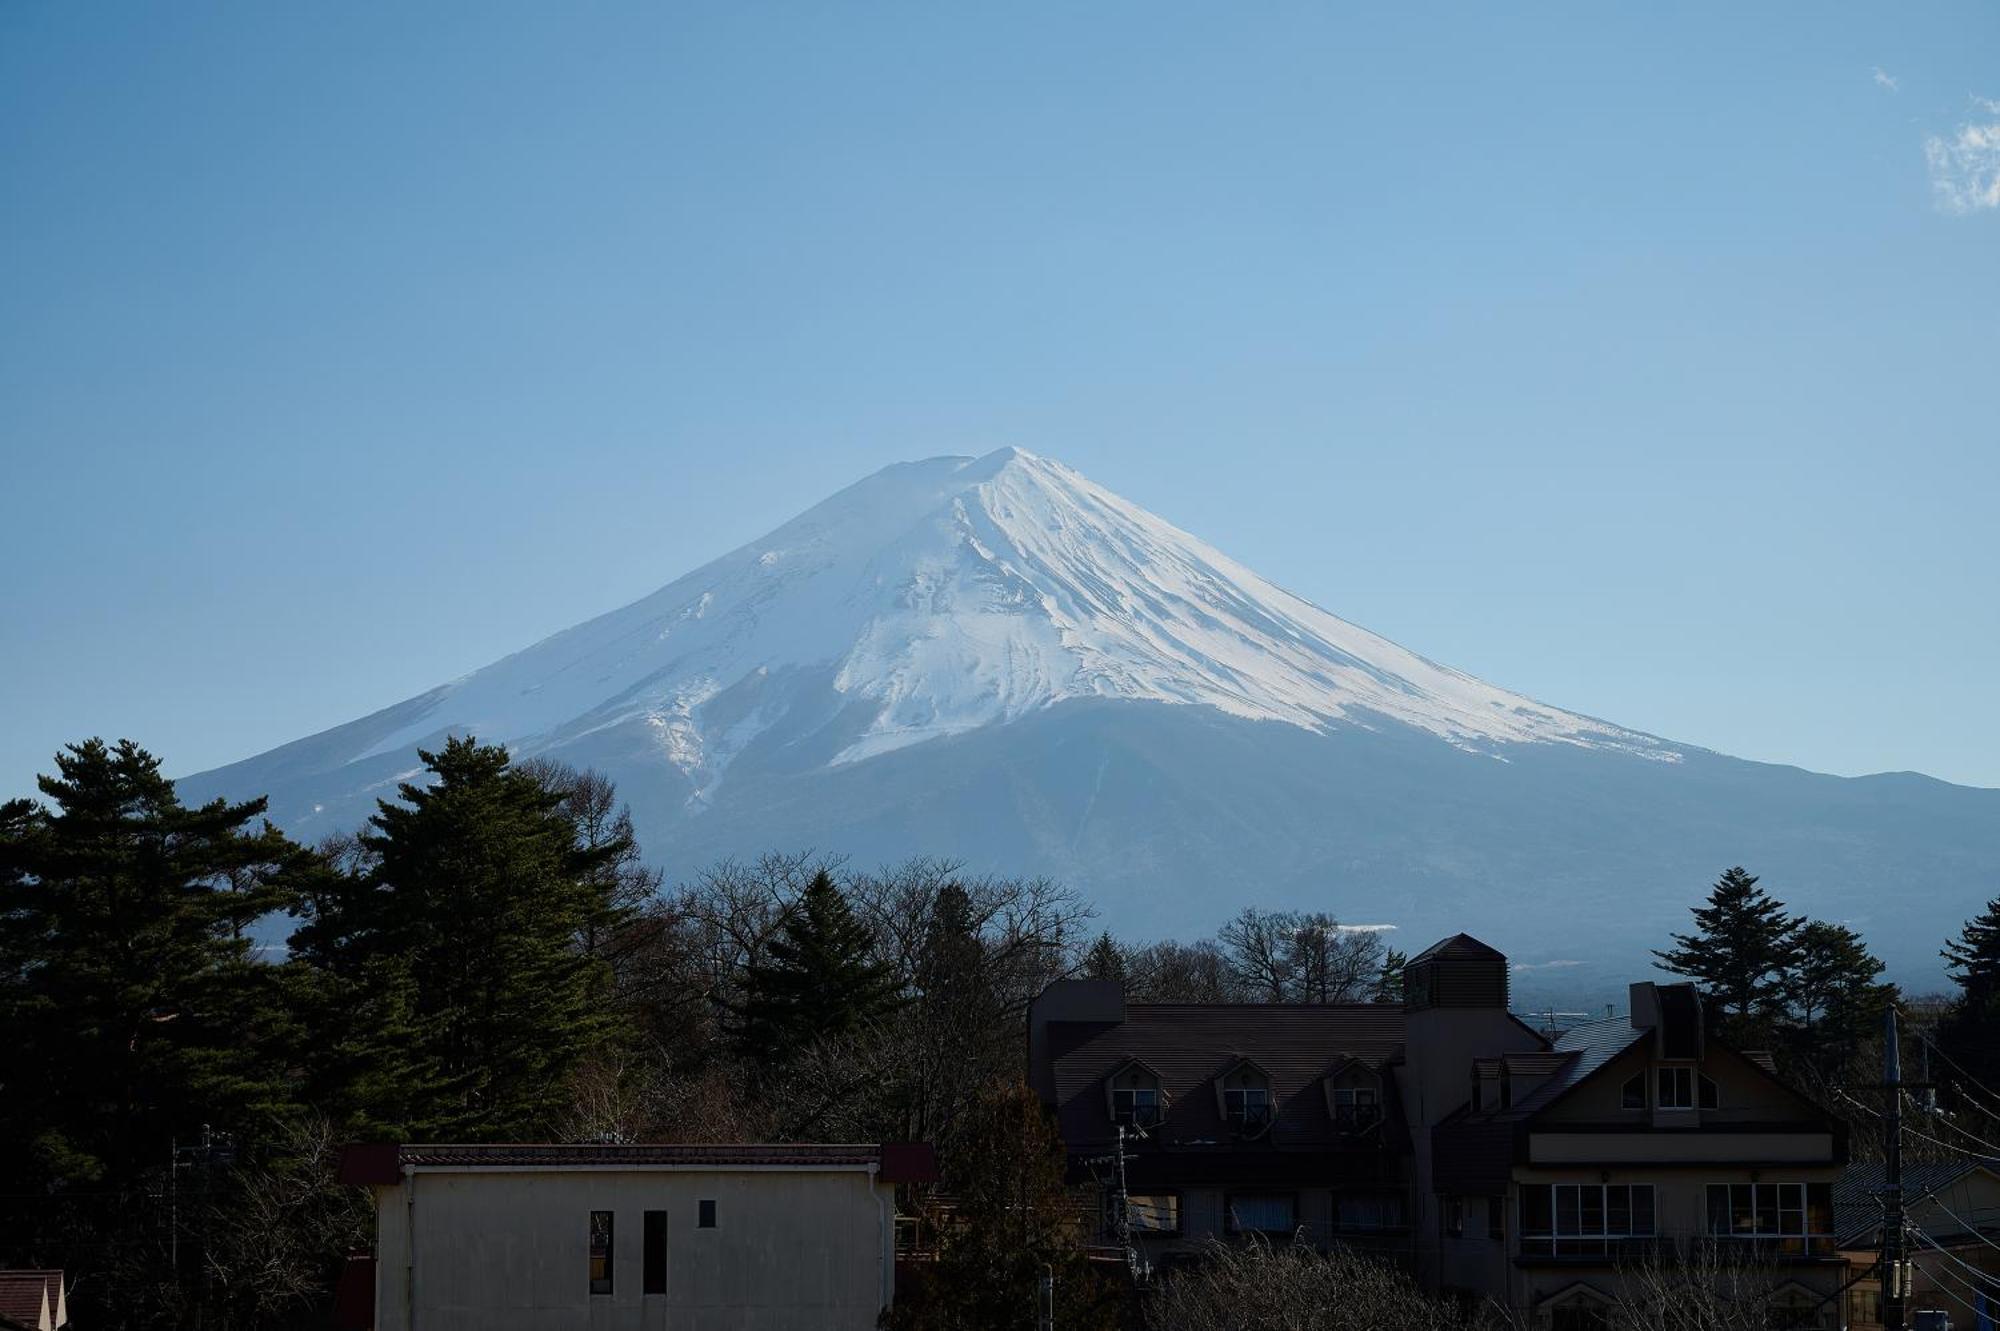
(1645, 999)
(1100, 1002)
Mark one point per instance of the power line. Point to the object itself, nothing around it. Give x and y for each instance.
(1958, 1299)
(1959, 1068)
(1954, 1147)
(1945, 1120)
(1969, 1227)
(1953, 1257)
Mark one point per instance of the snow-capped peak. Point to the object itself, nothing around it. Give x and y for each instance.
(940, 596)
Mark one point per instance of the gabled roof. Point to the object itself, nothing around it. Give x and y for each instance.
(1857, 1206)
(1456, 947)
(1579, 1052)
(26, 1294)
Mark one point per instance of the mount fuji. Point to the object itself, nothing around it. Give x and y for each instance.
(996, 660)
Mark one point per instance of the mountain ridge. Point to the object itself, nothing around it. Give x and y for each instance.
(945, 613)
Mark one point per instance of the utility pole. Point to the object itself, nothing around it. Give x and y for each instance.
(1045, 1299)
(1124, 1212)
(1894, 1292)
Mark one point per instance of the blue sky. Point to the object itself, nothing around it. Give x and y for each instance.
(1642, 359)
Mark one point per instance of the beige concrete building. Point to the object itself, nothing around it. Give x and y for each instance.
(632, 1238)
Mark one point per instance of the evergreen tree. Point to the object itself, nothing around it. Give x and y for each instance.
(456, 956)
(1741, 949)
(1970, 1032)
(1389, 980)
(1973, 958)
(1105, 960)
(131, 1005)
(818, 977)
(1836, 994)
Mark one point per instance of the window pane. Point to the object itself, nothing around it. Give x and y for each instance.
(1633, 1094)
(1708, 1095)
(1819, 1208)
(1642, 1208)
(706, 1217)
(600, 1252)
(1718, 1208)
(1591, 1210)
(1618, 1210)
(1159, 1213)
(1537, 1214)
(1271, 1212)
(1742, 1208)
(655, 1272)
(1767, 1209)
(1566, 1209)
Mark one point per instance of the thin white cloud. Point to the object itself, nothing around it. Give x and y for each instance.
(1885, 80)
(1362, 928)
(1965, 164)
(1544, 965)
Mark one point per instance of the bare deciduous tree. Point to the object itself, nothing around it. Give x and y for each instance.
(1255, 1286)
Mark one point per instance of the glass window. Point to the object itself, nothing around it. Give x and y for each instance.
(1356, 1108)
(1369, 1211)
(1675, 1088)
(1154, 1213)
(705, 1217)
(1584, 1219)
(1708, 1093)
(1496, 1217)
(1632, 1095)
(1790, 1217)
(1246, 1101)
(600, 1252)
(1267, 1212)
(655, 1272)
(1137, 1105)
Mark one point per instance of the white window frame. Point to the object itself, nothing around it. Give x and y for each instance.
(1808, 1239)
(1582, 1242)
(1678, 1072)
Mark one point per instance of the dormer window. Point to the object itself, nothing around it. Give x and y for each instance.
(1684, 1088)
(1632, 1095)
(1135, 1096)
(1356, 1109)
(1246, 1101)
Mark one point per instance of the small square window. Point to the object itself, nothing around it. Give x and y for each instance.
(707, 1216)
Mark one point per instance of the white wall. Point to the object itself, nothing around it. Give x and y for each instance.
(791, 1250)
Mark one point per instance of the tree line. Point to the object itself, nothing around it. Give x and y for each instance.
(196, 1010)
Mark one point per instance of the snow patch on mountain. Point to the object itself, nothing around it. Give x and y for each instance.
(955, 593)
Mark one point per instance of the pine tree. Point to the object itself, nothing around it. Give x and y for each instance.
(818, 977)
(460, 950)
(1970, 1032)
(1105, 960)
(1741, 948)
(1973, 958)
(132, 1005)
(1835, 992)
(1389, 980)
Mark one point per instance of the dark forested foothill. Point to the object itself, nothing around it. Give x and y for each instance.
(489, 958)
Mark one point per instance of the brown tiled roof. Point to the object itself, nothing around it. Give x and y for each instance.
(22, 1293)
(1189, 1045)
(900, 1162)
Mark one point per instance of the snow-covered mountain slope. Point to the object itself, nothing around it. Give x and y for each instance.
(996, 659)
(956, 593)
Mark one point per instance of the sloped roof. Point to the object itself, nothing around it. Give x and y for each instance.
(23, 1295)
(1579, 1051)
(1455, 947)
(1189, 1045)
(1857, 1206)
